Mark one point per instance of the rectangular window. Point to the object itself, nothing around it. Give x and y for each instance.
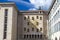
(37, 23)
(5, 19)
(32, 18)
(6, 12)
(27, 30)
(41, 36)
(24, 29)
(38, 36)
(40, 18)
(4, 35)
(37, 30)
(24, 36)
(27, 23)
(35, 36)
(5, 23)
(5, 28)
(28, 17)
(29, 36)
(32, 36)
(37, 17)
(24, 18)
(32, 29)
(40, 29)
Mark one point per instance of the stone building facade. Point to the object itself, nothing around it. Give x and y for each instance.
(22, 25)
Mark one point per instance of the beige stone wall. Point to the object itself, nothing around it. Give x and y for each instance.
(20, 27)
(11, 22)
(45, 19)
(1, 23)
(32, 23)
(14, 24)
(23, 23)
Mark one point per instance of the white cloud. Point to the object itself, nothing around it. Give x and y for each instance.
(21, 2)
(32, 9)
(38, 3)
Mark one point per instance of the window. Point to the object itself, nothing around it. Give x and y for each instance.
(28, 17)
(32, 18)
(35, 36)
(32, 29)
(32, 36)
(24, 29)
(5, 28)
(37, 23)
(29, 36)
(55, 38)
(27, 30)
(38, 36)
(5, 19)
(40, 29)
(40, 18)
(27, 23)
(5, 23)
(24, 18)
(37, 17)
(6, 12)
(24, 36)
(41, 36)
(4, 35)
(37, 30)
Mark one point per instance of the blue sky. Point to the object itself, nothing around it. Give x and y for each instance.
(31, 4)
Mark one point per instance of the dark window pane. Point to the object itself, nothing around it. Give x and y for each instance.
(40, 29)
(24, 18)
(37, 30)
(6, 12)
(32, 36)
(35, 36)
(5, 19)
(28, 17)
(27, 30)
(24, 36)
(4, 35)
(27, 23)
(32, 18)
(40, 18)
(37, 23)
(29, 36)
(38, 36)
(41, 36)
(24, 29)
(32, 29)
(37, 17)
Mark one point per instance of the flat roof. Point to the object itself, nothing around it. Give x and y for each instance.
(34, 11)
